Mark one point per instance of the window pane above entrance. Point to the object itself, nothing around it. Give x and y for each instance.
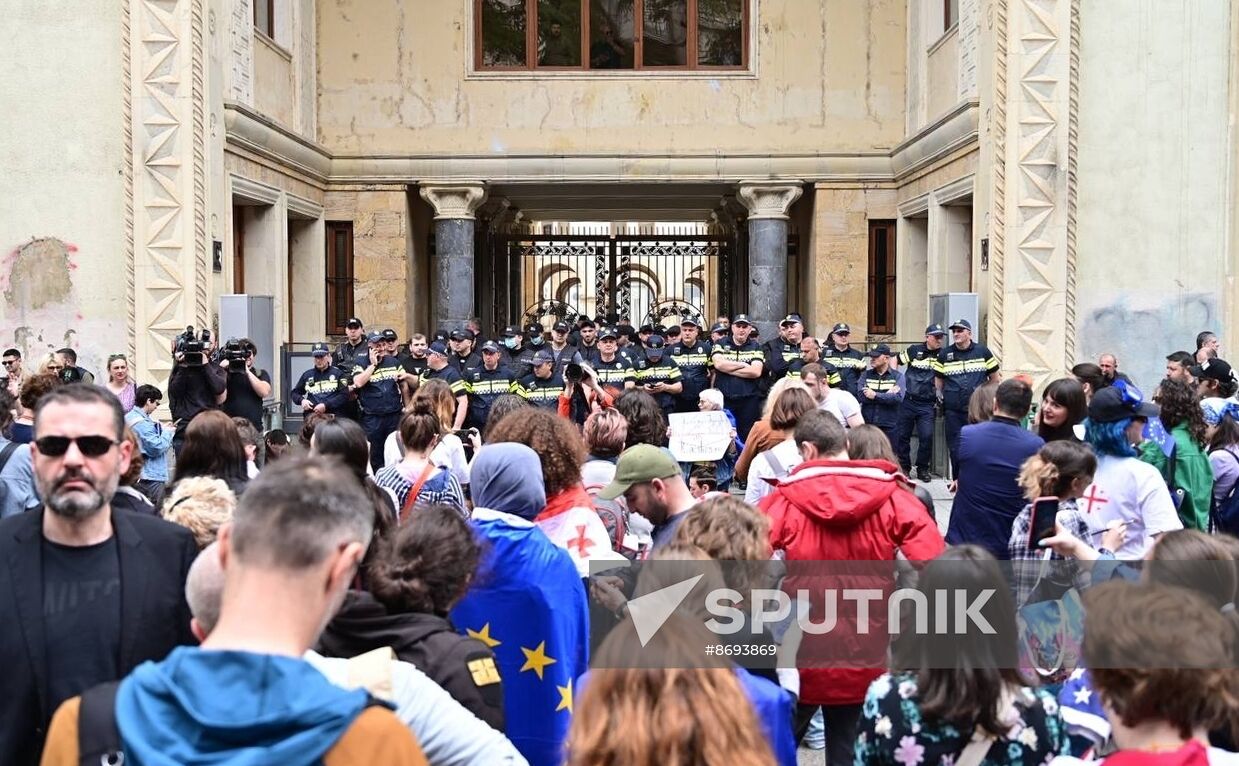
(665, 41)
(503, 33)
(559, 33)
(720, 32)
(610, 34)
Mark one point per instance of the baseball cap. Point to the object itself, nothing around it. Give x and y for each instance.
(637, 465)
(511, 331)
(374, 337)
(354, 322)
(440, 336)
(742, 319)
(438, 348)
(1119, 402)
(534, 328)
(1213, 369)
(646, 328)
(490, 347)
(390, 334)
(560, 327)
(461, 333)
(689, 321)
(654, 346)
(542, 357)
(879, 350)
(320, 349)
(586, 322)
(608, 333)
(790, 319)
(720, 327)
(935, 329)
(961, 324)
(841, 329)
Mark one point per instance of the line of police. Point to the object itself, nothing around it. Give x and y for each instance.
(368, 378)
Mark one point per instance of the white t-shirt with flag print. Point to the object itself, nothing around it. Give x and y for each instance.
(1126, 489)
(580, 532)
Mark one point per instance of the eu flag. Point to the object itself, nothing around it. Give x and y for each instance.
(528, 605)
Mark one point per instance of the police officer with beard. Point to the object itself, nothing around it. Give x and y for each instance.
(378, 392)
(692, 355)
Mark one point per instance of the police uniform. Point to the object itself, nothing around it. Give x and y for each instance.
(740, 395)
(484, 387)
(780, 358)
(616, 373)
(327, 387)
(541, 392)
(883, 409)
(695, 366)
(380, 403)
(962, 372)
(346, 353)
(848, 364)
(518, 362)
(662, 371)
(916, 412)
(450, 376)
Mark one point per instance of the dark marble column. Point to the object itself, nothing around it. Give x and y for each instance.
(767, 203)
(452, 268)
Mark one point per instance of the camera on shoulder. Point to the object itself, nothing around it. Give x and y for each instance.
(192, 347)
(236, 354)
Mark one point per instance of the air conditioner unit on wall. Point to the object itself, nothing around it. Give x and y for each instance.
(253, 317)
(946, 308)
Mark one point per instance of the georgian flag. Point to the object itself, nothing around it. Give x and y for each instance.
(579, 531)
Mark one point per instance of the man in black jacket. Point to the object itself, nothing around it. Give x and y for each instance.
(89, 592)
(193, 389)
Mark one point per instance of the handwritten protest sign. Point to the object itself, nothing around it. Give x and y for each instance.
(699, 436)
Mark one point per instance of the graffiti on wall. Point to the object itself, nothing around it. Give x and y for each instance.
(1141, 330)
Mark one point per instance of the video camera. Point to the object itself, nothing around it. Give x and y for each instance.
(577, 369)
(235, 353)
(193, 347)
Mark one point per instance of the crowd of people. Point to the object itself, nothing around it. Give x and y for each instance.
(408, 579)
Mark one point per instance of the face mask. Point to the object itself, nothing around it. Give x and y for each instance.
(537, 340)
(509, 343)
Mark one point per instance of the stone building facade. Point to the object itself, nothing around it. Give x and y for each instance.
(1075, 163)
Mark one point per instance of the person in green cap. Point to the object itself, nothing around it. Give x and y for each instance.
(653, 485)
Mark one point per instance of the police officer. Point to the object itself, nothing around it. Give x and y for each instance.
(881, 391)
(542, 387)
(613, 371)
(718, 332)
(440, 367)
(378, 392)
(516, 354)
(658, 376)
(847, 361)
(692, 355)
(782, 351)
(485, 384)
(916, 412)
(345, 356)
(738, 364)
(322, 388)
(462, 355)
(962, 367)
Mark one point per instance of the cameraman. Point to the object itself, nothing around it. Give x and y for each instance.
(194, 387)
(247, 387)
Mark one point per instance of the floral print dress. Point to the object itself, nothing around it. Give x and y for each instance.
(892, 730)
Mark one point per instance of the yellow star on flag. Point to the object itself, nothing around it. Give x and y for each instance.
(565, 697)
(536, 659)
(483, 635)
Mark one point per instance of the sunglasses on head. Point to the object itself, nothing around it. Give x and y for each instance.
(90, 446)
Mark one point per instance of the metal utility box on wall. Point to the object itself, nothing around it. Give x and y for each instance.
(253, 317)
(946, 308)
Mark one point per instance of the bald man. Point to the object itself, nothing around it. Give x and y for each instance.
(1109, 365)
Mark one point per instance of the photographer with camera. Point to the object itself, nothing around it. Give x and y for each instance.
(582, 392)
(69, 371)
(196, 384)
(247, 386)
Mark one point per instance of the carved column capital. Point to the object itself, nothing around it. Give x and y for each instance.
(769, 199)
(455, 200)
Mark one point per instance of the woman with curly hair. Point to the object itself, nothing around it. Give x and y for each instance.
(33, 389)
(646, 422)
(1186, 469)
(568, 519)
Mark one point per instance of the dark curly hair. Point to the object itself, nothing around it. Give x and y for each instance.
(555, 439)
(646, 422)
(35, 387)
(427, 564)
(1180, 405)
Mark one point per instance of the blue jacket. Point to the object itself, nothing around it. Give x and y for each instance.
(154, 440)
(989, 497)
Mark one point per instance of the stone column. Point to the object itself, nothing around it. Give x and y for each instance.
(452, 266)
(767, 203)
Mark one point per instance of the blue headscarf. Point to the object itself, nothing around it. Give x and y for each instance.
(1215, 408)
(507, 477)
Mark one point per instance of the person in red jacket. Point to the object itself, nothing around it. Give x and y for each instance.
(831, 509)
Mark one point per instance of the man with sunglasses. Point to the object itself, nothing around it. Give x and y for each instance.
(14, 375)
(96, 592)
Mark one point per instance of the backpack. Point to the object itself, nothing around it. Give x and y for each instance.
(1226, 511)
(614, 515)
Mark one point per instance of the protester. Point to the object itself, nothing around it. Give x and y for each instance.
(14, 375)
(17, 485)
(416, 481)
(711, 400)
(1109, 364)
(1090, 377)
(1215, 378)
(202, 505)
(1179, 366)
(568, 518)
(1064, 405)
(274, 445)
(1125, 488)
(1184, 465)
(33, 389)
(448, 733)
(959, 698)
(646, 422)
(981, 406)
(344, 439)
(778, 461)
(653, 485)
(119, 382)
(762, 436)
(154, 440)
(868, 442)
(250, 440)
(213, 448)
(1222, 433)
(527, 602)
(702, 480)
(308, 426)
(295, 543)
(414, 580)
(837, 401)
(605, 432)
(89, 592)
(449, 450)
(831, 509)
(500, 409)
(127, 497)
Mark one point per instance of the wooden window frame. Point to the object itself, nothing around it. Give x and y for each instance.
(268, 30)
(337, 316)
(948, 15)
(238, 249)
(690, 43)
(884, 279)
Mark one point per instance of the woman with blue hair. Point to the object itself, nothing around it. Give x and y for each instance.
(1124, 488)
(1222, 434)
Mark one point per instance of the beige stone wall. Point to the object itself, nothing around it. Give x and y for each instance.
(274, 94)
(840, 267)
(382, 253)
(396, 79)
(943, 85)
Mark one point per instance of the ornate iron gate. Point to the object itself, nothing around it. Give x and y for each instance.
(655, 279)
